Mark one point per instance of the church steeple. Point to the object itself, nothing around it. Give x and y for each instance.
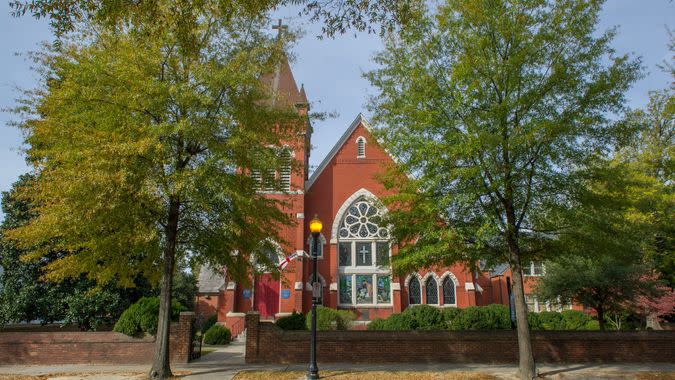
(282, 83)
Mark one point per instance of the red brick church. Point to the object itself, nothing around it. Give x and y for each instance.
(355, 250)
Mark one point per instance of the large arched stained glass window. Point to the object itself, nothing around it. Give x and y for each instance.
(449, 292)
(363, 256)
(414, 291)
(431, 289)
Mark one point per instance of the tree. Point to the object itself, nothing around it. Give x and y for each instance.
(25, 296)
(490, 107)
(142, 137)
(337, 15)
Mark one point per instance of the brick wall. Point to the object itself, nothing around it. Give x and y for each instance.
(92, 347)
(266, 343)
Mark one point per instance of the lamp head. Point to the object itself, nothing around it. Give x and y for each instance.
(315, 225)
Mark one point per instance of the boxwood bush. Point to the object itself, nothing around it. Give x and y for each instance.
(331, 319)
(295, 321)
(217, 335)
(491, 317)
(142, 317)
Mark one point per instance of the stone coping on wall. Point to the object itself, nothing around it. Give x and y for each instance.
(85, 347)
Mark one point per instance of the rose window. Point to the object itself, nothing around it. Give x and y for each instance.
(362, 222)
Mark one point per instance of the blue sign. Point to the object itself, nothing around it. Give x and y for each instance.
(247, 294)
(285, 294)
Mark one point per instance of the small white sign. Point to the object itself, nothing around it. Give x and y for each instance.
(316, 290)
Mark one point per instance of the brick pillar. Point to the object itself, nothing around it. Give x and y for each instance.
(252, 336)
(181, 334)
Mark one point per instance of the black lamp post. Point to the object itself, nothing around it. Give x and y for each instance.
(315, 227)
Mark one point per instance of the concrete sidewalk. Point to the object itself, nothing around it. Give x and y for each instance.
(227, 361)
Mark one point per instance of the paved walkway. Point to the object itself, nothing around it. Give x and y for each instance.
(226, 361)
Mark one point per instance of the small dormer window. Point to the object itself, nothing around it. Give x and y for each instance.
(361, 147)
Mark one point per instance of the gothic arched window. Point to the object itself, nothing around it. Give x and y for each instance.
(414, 291)
(363, 256)
(449, 291)
(431, 289)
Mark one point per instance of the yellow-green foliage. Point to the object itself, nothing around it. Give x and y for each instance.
(128, 123)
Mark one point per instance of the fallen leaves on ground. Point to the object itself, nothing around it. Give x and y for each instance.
(365, 375)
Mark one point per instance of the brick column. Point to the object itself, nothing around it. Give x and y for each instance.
(252, 336)
(181, 336)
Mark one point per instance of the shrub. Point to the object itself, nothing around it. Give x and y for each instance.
(208, 323)
(491, 317)
(399, 322)
(425, 317)
(551, 320)
(534, 321)
(450, 317)
(377, 324)
(142, 316)
(593, 324)
(575, 319)
(217, 334)
(331, 319)
(295, 321)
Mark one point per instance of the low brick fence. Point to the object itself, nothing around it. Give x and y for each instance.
(267, 343)
(108, 347)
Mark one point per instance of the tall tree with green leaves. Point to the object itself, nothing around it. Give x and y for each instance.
(25, 296)
(142, 134)
(490, 107)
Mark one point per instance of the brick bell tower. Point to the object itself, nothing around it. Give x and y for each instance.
(275, 298)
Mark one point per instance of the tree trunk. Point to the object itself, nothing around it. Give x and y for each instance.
(601, 317)
(160, 364)
(653, 322)
(526, 367)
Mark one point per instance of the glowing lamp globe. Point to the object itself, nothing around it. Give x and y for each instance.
(315, 225)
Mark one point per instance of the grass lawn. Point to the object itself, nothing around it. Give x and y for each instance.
(364, 375)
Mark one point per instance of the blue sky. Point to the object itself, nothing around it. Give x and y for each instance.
(329, 68)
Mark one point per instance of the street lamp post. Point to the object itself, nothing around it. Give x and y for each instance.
(315, 227)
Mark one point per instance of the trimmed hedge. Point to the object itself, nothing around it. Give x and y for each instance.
(217, 335)
(491, 317)
(142, 316)
(331, 319)
(295, 321)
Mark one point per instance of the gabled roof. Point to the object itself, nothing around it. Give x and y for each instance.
(360, 120)
(210, 281)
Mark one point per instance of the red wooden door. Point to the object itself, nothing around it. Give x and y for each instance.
(267, 295)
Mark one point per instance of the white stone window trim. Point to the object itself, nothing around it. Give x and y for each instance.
(531, 266)
(280, 256)
(407, 286)
(423, 288)
(375, 303)
(308, 284)
(322, 244)
(361, 147)
(345, 207)
(452, 278)
(354, 270)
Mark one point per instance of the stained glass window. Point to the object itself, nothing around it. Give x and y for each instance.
(432, 291)
(361, 222)
(414, 291)
(345, 255)
(364, 254)
(346, 289)
(383, 289)
(364, 288)
(382, 251)
(448, 291)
